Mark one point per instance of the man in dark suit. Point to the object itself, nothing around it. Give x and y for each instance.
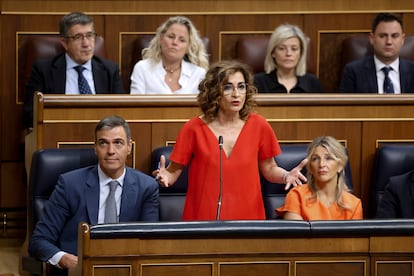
(82, 195)
(398, 198)
(383, 72)
(59, 75)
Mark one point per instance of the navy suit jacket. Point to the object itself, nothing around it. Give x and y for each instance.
(76, 199)
(398, 198)
(49, 77)
(361, 76)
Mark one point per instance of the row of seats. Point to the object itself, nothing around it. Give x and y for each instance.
(250, 49)
(48, 164)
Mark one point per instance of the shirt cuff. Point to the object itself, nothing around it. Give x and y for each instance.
(56, 258)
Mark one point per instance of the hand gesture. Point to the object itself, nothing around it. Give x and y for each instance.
(295, 177)
(161, 174)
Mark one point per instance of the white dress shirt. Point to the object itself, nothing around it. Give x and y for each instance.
(72, 87)
(394, 75)
(149, 78)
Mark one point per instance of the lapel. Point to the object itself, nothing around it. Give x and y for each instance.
(92, 195)
(404, 72)
(58, 75)
(99, 79)
(129, 197)
(371, 74)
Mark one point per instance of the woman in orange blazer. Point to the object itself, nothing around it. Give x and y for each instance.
(326, 195)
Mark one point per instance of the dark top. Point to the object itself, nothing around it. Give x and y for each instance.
(49, 77)
(361, 76)
(268, 83)
(398, 198)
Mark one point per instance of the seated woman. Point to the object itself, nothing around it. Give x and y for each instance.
(174, 63)
(325, 196)
(285, 64)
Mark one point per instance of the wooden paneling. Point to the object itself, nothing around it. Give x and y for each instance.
(204, 6)
(327, 23)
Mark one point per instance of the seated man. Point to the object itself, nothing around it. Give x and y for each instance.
(383, 72)
(84, 195)
(60, 74)
(398, 198)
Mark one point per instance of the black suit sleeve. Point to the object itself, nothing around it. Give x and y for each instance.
(388, 206)
(35, 83)
(348, 80)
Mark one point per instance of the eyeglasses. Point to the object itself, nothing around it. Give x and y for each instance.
(79, 37)
(228, 88)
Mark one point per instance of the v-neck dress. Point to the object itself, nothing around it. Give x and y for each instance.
(197, 147)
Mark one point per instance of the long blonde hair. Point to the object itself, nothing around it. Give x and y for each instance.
(335, 148)
(196, 51)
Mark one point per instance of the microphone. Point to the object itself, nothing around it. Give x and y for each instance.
(220, 141)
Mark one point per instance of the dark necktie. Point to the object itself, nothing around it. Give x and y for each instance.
(388, 87)
(110, 206)
(82, 83)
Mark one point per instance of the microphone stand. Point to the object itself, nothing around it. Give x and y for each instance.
(220, 179)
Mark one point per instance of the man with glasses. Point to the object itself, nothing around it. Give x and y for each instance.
(77, 71)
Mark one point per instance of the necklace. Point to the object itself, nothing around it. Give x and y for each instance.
(171, 71)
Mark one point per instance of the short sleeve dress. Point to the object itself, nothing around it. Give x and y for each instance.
(197, 147)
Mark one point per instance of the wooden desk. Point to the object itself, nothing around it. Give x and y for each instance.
(234, 248)
(362, 121)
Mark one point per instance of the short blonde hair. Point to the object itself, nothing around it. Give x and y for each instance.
(279, 35)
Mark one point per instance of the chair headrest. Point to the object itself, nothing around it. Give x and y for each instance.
(48, 164)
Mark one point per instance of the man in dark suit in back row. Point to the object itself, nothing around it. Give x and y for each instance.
(384, 72)
(77, 71)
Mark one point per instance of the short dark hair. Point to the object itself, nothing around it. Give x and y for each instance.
(71, 19)
(386, 17)
(111, 122)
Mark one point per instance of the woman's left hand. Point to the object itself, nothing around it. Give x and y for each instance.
(295, 177)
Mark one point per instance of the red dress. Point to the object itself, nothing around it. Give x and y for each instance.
(197, 147)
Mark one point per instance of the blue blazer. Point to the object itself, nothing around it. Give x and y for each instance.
(76, 199)
(49, 77)
(398, 198)
(360, 76)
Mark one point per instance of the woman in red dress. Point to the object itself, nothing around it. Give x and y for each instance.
(249, 145)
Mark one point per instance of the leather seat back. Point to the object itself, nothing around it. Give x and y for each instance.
(46, 166)
(390, 160)
(172, 199)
